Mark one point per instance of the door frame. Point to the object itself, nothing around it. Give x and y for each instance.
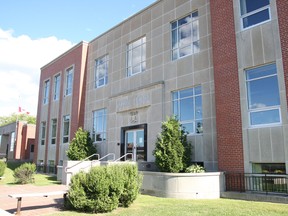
(134, 127)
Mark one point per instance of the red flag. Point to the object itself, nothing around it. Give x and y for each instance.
(21, 110)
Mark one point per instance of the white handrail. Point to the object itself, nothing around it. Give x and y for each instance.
(107, 156)
(125, 156)
(66, 168)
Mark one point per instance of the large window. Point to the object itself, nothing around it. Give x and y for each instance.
(69, 81)
(101, 71)
(53, 131)
(99, 125)
(66, 126)
(185, 36)
(12, 141)
(46, 91)
(187, 107)
(136, 57)
(263, 95)
(43, 133)
(57, 80)
(254, 12)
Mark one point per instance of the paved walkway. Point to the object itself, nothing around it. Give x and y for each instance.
(31, 205)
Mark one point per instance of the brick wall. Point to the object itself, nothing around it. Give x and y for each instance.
(227, 93)
(282, 8)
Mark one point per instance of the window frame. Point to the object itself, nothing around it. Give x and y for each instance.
(43, 133)
(97, 114)
(105, 62)
(193, 41)
(243, 16)
(69, 81)
(130, 49)
(57, 84)
(53, 128)
(66, 119)
(198, 130)
(12, 141)
(46, 91)
(266, 108)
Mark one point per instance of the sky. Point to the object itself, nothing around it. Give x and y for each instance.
(34, 32)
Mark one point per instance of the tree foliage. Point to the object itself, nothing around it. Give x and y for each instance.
(172, 151)
(81, 146)
(4, 120)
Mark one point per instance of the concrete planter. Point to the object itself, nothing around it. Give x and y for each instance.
(183, 185)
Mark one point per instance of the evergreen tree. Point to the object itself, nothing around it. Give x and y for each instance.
(169, 150)
(81, 146)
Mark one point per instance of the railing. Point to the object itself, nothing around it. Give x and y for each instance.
(107, 156)
(66, 168)
(125, 156)
(259, 183)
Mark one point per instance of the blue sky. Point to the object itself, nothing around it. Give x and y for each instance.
(34, 32)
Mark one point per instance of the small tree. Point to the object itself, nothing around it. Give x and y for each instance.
(81, 146)
(169, 150)
(187, 149)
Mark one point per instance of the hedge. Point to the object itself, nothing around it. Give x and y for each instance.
(103, 189)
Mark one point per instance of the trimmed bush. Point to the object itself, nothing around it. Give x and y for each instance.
(132, 183)
(195, 168)
(81, 146)
(24, 173)
(103, 189)
(2, 168)
(172, 150)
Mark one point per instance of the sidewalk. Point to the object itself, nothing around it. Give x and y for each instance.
(31, 205)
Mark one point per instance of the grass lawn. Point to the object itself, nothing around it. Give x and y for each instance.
(40, 179)
(153, 206)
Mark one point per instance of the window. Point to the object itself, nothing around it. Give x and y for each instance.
(136, 57)
(263, 95)
(101, 71)
(32, 148)
(185, 36)
(272, 168)
(187, 107)
(99, 125)
(43, 133)
(51, 166)
(69, 81)
(12, 141)
(53, 131)
(254, 12)
(0, 140)
(66, 124)
(57, 80)
(46, 91)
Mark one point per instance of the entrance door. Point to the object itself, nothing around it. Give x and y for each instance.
(134, 144)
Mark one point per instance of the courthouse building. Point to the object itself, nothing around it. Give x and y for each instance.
(220, 66)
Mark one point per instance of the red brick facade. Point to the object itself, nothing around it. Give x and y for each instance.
(282, 8)
(227, 93)
(76, 58)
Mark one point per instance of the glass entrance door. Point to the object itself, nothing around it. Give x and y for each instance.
(134, 144)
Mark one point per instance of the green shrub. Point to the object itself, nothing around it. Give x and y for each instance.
(2, 168)
(195, 168)
(103, 189)
(24, 173)
(81, 146)
(172, 150)
(132, 183)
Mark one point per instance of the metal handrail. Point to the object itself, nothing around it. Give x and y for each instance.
(125, 156)
(107, 156)
(66, 168)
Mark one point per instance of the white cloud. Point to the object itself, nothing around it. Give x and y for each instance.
(20, 61)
